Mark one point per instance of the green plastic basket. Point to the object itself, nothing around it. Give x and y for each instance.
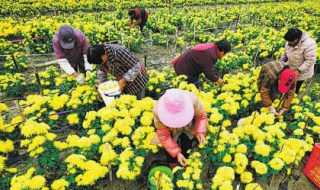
(163, 169)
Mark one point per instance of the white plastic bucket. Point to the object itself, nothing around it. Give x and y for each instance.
(109, 95)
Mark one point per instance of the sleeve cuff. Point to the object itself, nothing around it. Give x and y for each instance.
(65, 65)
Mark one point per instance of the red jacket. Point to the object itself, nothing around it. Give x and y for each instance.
(199, 59)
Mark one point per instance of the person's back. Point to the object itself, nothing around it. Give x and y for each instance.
(201, 59)
(139, 13)
(73, 54)
(269, 74)
(192, 62)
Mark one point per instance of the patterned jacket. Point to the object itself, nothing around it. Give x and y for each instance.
(268, 84)
(122, 64)
(302, 57)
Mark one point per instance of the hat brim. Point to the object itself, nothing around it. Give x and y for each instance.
(66, 45)
(176, 120)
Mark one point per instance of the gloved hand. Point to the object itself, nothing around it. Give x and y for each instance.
(88, 67)
(273, 110)
(80, 79)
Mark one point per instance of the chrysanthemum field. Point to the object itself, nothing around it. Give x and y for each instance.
(54, 135)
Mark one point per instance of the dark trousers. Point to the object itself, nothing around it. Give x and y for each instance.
(142, 25)
(79, 67)
(141, 94)
(144, 21)
(299, 84)
(185, 144)
(197, 83)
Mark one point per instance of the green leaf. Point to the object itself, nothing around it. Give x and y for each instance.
(43, 161)
(41, 171)
(51, 164)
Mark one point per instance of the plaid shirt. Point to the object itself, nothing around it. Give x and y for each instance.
(268, 84)
(122, 64)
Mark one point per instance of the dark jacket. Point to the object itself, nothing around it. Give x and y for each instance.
(197, 60)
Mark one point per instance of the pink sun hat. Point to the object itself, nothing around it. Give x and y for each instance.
(175, 108)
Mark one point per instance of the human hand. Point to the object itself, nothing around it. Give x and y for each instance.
(181, 159)
(122, 83)
(273, 110)
(80, 79)
(281, 112)
(201, 138)
(219, 82)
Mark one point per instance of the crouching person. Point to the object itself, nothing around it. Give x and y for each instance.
(277, 80)
(179, 117)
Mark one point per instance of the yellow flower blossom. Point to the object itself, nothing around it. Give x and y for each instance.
(59, 184)
(6, 146)
(253, 186)
(3, 107)
(246, 177)
(73, 119)
(227, 158)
